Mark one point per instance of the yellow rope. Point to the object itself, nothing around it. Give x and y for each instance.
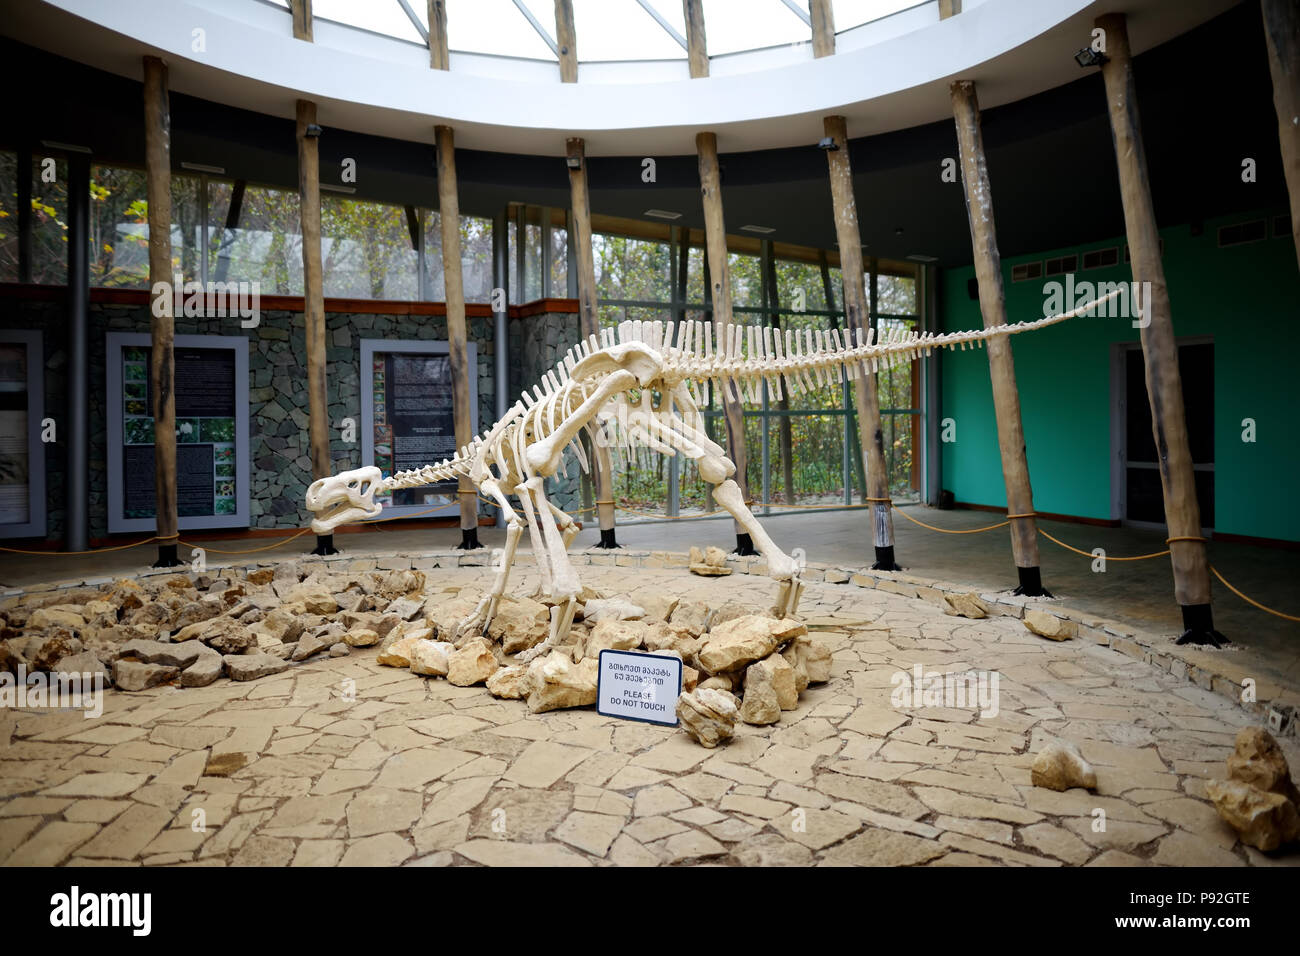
(279, 544)
(1089, 554)
(1001, 524)
(119, 547)
(1269, 610)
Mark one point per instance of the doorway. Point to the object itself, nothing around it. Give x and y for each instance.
(1138, 495)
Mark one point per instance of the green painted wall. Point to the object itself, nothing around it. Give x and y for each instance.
(1246, 297)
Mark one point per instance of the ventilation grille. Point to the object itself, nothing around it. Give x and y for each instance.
(1026, 271)
(1061, 265)
(1101, 258)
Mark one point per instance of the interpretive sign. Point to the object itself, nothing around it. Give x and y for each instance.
(211, 376)
(22, 452)
(408, 419)
(639, 686)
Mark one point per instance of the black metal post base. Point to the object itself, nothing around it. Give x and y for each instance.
(468, 540)
(744, 545)
(1198, 619)
(167, 557)
(1031, 583)
(324, 545)
(607, 540)
(885, 560)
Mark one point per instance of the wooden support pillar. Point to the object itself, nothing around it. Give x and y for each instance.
(589, 321)
(301, 10)
(1282, 32)
(697, 46)
(313, 302)
(449, 216)
(949, 8)
(715, 242)
(785, 434)
(158, 188)
(1159, 348)
(855, 322)
(566, 39)
(439, 58)
(823, 27)
(1002, 369)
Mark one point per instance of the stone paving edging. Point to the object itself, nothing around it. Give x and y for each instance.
(1276, 706)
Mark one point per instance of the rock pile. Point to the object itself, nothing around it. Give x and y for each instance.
(711, 562)
(192, 629)
(1258, 799)
(1060, 766)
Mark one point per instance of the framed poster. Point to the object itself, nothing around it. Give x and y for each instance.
(22, 453)
(212, 487)
(406, 417)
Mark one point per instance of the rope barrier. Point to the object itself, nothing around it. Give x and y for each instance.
(1251, 601)
(270, 547)
(1089, 554)
(119, 547)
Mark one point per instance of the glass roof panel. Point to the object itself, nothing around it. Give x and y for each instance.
(623, 30)
(378, 16)
(854, 13)
(497, 27)
(735, 25)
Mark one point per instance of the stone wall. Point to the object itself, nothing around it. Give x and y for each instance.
(279, 466)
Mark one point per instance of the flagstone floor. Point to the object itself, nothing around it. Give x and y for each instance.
(344, 761)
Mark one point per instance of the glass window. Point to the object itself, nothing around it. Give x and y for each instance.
(895, 295)
(8, 216)
(631, 269)
(119, 228)
(852, 13)
(49, 220)
(267, 245)
(475, 257)
(366, 250)
(735, 25)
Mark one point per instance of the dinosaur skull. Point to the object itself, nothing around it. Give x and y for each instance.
(342, 498)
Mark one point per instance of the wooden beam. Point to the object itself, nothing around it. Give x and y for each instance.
(993, 308)
(162, 372)
(823, 27)
(301, 10)
(697, 44)
(715, 243)
(463, 415)
(1282, 33)
(588, 318)
(1159, 347)
(318, 423)
(857, 318)
(439, 58)
(949, 8)
(566, 38)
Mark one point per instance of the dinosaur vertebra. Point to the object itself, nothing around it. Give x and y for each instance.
(592, 389)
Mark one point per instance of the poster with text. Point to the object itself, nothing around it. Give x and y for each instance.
(413, 421)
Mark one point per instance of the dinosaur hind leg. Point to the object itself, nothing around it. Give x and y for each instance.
(481, 618)
(565, 587)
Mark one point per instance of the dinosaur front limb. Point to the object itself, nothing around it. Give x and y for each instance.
(780, 566)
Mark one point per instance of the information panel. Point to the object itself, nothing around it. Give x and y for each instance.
(408, 419)
(22, 459)
(211, 432)
(639, 686)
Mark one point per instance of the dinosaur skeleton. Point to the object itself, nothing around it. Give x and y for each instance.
(638, 384)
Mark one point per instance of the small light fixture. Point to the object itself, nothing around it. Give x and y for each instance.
(312, 131)
(827, 143)
(1089, 57)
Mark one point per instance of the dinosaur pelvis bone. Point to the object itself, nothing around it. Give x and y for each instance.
(636, 357)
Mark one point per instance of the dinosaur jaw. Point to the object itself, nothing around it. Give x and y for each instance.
(344, 498)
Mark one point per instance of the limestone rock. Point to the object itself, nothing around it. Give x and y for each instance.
(172, 655)
(724, 682)
(339, 650)
(253, 666)
(472, 664)
(965, 605)
(396, 584)
(196, 611)
(795, 657)
(816, 658)
(519, 623)
(673, 637)
(508, 683)
(314, 600)
(85, 663)
(205, 669)
(1263, 819)
(614, 635)
(397, 653)
(783, 681)
(729, 611)
(1060, 766)
(760, 705)
(361, 637)
(445, 616)
(710, 563)
(221, 634)
(1049, 626)
(556, 682)
(1259, 761)
(60, 643)
(658, 606)
(707, 715)
(611, 609)
(431, 658)
(691, 616)
(735, 644)
(308, 645)
(283, 625)
(133, 675)
(55, 617)
(261, 576)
